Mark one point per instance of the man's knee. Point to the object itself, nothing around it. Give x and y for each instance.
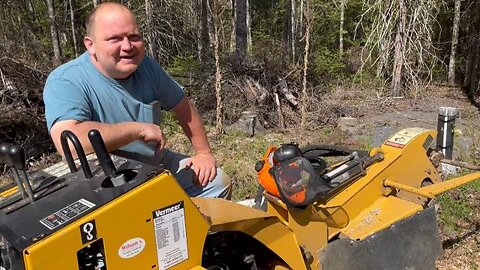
(221, 186)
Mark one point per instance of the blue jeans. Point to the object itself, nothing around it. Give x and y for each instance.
(219, 187)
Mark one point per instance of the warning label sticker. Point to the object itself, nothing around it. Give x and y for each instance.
(170, 235)
(67, 213)
(402, 138)
(60, 169)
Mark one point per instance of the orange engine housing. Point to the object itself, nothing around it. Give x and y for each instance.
(265, 178)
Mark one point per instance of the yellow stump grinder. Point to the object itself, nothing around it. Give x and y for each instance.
(360, 210)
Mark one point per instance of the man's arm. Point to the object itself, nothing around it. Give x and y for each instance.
(192, 123)
(114, 135)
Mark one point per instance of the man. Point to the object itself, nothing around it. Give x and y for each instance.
(114, 88)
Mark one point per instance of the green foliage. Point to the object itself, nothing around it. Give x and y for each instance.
(186, 70)
(176, 25)
(184, 65)
(170, 124)
(326, 25)
(327, 63)
(439, 72)
(268, 18)
(326, 59)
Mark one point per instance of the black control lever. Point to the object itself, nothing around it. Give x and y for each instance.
(68, 135)
(17, 158)
(104, 158)
(101, 151)
(5, 157)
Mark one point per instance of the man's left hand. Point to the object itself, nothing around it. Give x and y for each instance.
(203, 164)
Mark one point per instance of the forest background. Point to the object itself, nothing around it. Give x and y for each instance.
(285, 66)
(278, 58)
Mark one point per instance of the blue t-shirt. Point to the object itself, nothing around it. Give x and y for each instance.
(78, 91)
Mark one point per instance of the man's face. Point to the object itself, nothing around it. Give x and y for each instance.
(116, 45)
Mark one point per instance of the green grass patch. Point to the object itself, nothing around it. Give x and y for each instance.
(458, 206)
(237, 154)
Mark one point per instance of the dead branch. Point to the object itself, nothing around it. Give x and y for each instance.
(281, 121)
(259, 91)
(419, 52)
(283, 88)
(25, 65)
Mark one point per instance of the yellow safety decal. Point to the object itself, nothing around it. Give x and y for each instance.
(402, 138)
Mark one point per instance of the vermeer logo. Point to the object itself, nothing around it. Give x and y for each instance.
(167, 210)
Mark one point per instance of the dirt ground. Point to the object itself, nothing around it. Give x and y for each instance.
(461, 249)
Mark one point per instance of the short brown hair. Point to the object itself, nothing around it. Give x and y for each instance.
(90, 21)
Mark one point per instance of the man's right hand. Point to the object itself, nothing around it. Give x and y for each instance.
(152, 133)
(114, 135)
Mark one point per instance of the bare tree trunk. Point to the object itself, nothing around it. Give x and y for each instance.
(72, 23)
(396, 84)
(152, 48)
(148, 28)
(468, 62)
(384, 42)
(300, 18)
(292, 29)
(54, 32)
(203, 39)
(218, 88)
(241, 31)
(456, 24)
(198, 9)
(218, 73)
(342, 20)
(3, 29)
(308, 25)
(473, 50)
(210, 19)
(473, 76)
(382, 61)
(401, 40)
(474, 54)
(249, 30)
(234, 23)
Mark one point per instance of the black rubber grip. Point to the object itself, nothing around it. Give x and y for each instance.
(68, 135)
(17, 155)
(101, 151)
(4, 149)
